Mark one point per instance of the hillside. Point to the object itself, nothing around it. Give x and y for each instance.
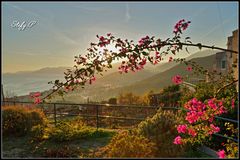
(108, 85)
(163, 79)
(155, 83)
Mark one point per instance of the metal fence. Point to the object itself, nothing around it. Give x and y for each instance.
(98, 115)
(105, 115)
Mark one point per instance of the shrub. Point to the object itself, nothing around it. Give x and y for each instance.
(161, 130)
(75, 129)
(126, 144)
(64, 151)
(19, 120)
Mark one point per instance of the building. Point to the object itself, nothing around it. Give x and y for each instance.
(222, 62)
(228, 61)
(232, 44)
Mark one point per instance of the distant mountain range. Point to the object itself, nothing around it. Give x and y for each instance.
(108, 85)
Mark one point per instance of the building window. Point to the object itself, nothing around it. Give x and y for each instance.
(223, 64)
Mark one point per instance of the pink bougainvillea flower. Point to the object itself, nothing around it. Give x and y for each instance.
(189, 68)
(101, 38)
(214, 129)
(192, 132)
(93, 78)
(221, 154)
(182, 128)
(37, 100)
(109, 34)
(178, 140)
(37, 94)
(233, 103)
(177, 79)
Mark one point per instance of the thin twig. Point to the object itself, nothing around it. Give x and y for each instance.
(225, 86)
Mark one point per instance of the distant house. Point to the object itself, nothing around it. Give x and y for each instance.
(222, 62)
(226, 61)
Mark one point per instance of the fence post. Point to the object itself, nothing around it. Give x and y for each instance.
(97, 115)
(55, 115)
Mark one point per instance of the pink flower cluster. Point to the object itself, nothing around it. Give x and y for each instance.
(182, 128)
(196, 110)
(185, 129)
(177, 140)
(103, 41)
(182, 24)
(214, 129)
(221, 154)
(143, 40)
(132, 65)
(177, 79)
(36, 96)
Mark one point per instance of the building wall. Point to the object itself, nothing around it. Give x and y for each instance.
(233, 45)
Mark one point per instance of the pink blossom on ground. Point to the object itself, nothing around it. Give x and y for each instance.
(181, 128)
(221, 154)
(178, 140)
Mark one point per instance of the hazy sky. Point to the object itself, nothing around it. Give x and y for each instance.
(61, 30)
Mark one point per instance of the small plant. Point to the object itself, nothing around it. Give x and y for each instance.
(126, 144)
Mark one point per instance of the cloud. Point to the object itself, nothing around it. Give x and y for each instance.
(217, 27)
(127, 15)
(24, 10)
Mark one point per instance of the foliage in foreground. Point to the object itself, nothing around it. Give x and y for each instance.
(160, 129)
(19, 120)
(126, 144)
(75, 129)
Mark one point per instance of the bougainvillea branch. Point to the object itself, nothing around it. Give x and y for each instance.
(133, 57)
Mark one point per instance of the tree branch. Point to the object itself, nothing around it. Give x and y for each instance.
(155, 46)
(225, 86)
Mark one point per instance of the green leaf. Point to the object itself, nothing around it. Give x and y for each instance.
(145, 53)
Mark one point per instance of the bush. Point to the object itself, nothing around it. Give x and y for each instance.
(75, 129)
(65, 151)
(161, 129)
(125, 144)
(19, 120)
